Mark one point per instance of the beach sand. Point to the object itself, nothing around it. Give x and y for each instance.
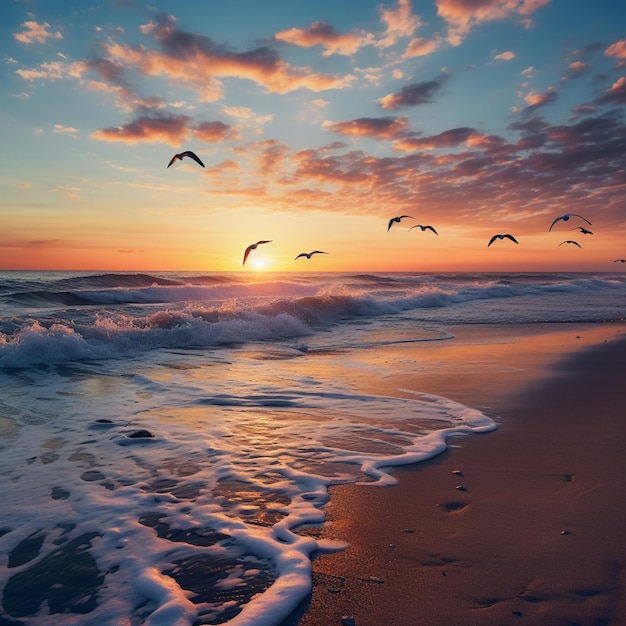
(522, 525)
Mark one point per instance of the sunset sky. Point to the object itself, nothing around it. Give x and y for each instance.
(318, 122)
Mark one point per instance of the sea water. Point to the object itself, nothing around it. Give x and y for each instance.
(167, 440)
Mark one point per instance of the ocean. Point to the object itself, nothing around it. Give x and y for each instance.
(168, 439)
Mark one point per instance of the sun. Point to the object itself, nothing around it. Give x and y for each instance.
(259, 264)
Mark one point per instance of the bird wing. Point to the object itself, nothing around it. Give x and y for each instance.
(247, 252)
(581, 217)
(319, 252)
(391, 221)
(492, 240)
(555, 221)
(173, 159)
(431, 228)
(511, 238)
(194, 156)
(302, 254)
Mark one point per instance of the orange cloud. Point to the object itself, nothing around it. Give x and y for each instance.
(463, 15)
(400, 22)
(213, 131)
(413, 95)
(447, 139)
(378, 127)
(198, 62)
(535, 100)
(419, 47)
(172, 130)
(323, 34)
(617, 50)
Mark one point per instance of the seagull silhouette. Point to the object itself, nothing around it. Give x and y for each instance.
(308, 255)
(253, 246)
(570, 241)
(424, 228)
(397, 219)
(566, 217)
(619, 261)
(584, 231)
(502, 237)
(186, 153)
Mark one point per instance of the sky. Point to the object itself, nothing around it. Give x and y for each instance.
(317, 123)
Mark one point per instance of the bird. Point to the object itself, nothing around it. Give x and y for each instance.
(253, 246)
(424, 228)
(397, 219)
(584, 231)
(502, 237)
(308, 255)
(566, 217)
(570, 241)
(186, 153)
(619, 261)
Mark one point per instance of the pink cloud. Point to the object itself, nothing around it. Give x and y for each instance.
(448, 139)
(35, 32)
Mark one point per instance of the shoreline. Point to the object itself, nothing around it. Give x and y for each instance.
(518, 525)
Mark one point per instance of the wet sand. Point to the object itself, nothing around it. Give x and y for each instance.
(522, 525)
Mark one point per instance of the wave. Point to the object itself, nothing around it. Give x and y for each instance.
(127, 321)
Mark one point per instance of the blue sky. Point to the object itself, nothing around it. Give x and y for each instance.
(317, 122)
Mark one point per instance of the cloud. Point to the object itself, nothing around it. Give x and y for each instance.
(413, 95)
(33, 32)
(377, 127)
(535, 100)
(169, 129)
(400, 22)
(617, 50)
(51, 71)
(198, 62)
(323, 34)
(214, 132)
(615, 94)
(505, 56)
(58, 128)
(419, 47)
(464, 15)
(451, 138)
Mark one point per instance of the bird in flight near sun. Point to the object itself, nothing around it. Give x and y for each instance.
(186, 153)
(570, 241)
(424, 227)
(253, 246)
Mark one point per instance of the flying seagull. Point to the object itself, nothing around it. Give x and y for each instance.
(397, 219)
(424, 228)
(566, 217)
(619, 261)
(308, 255)
(570, 241)
(186, 153)
(584, 231)
(502, 237)
(253, 246)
